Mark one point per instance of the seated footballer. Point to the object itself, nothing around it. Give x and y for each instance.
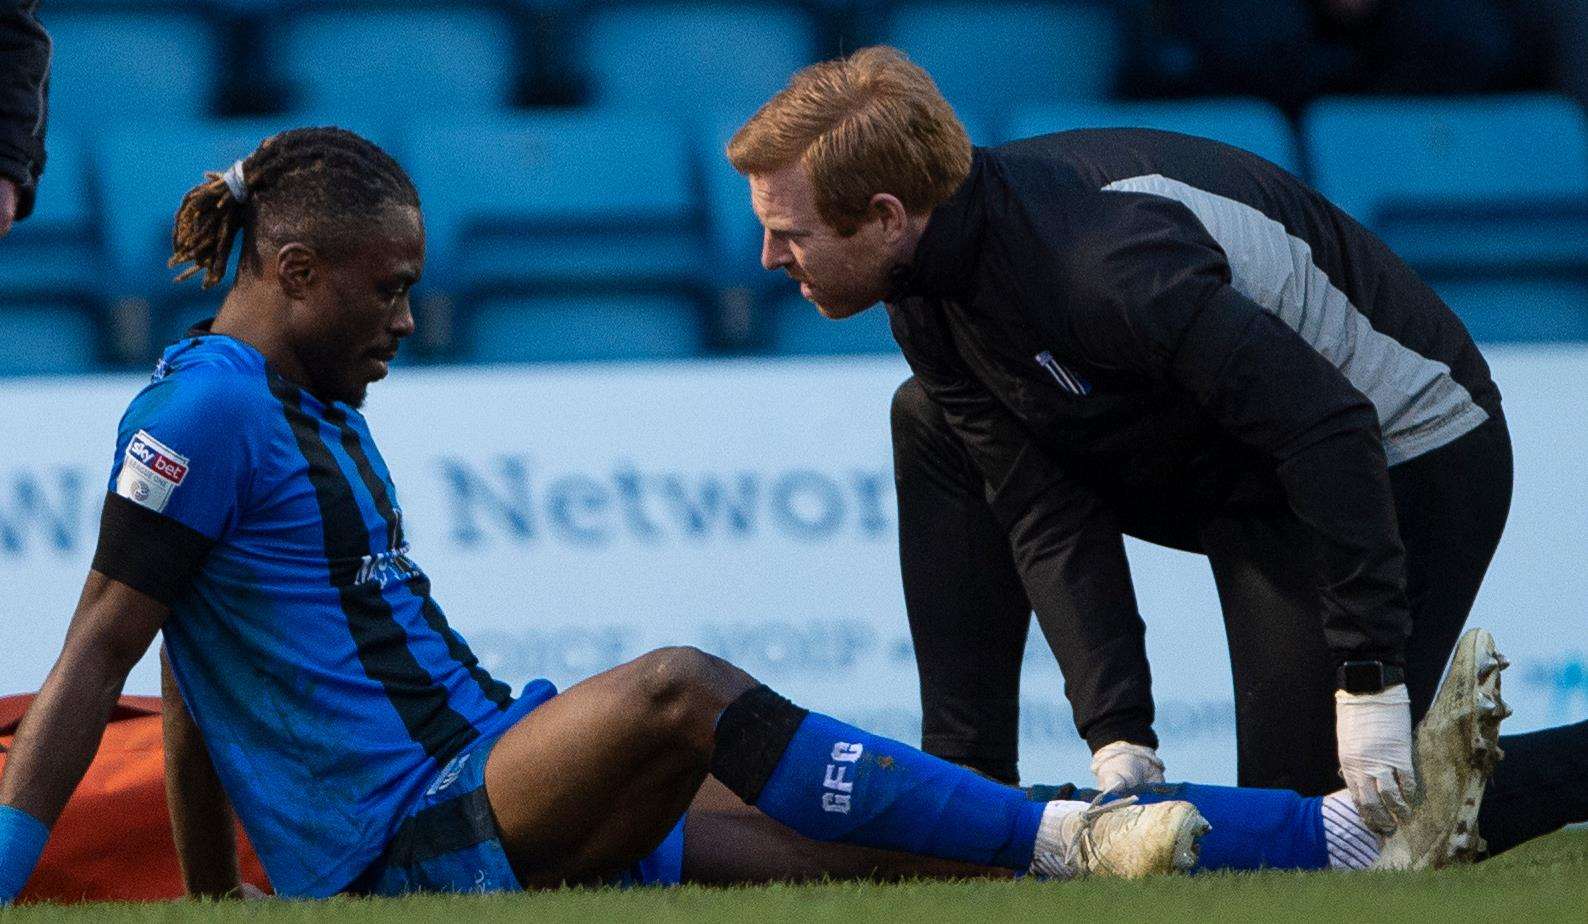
(251, 519)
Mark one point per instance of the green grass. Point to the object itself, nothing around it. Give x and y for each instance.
(1546, 880)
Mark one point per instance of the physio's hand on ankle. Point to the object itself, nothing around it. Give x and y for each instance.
(1123, 765)
(1374, 734)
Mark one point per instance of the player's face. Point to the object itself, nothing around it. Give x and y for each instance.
(347, 331)
(841, 275)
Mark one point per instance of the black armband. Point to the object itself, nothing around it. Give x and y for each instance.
(153, 554)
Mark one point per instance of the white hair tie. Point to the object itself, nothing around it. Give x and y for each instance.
(234, 181)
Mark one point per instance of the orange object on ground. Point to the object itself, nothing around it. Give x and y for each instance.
(113, 842)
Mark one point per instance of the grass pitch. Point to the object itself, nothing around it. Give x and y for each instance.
(1546, 880)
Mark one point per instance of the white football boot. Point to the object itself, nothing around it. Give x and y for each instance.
(1456, 750)
(1120, 838)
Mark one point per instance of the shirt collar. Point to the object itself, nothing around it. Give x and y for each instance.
(945, 256)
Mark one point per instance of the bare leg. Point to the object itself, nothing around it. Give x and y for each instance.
(729, 843)
(594, 779)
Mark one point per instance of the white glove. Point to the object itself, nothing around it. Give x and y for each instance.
(1374, 734)
(1123, 765)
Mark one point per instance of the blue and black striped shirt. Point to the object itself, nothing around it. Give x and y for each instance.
(304, 639)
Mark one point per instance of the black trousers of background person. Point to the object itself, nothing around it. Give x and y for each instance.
(969, 611)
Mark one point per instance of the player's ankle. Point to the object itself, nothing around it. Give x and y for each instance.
(1053, 855)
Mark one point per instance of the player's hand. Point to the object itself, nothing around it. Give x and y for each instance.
(1122, 765)
(8, 205)
(1374, 733)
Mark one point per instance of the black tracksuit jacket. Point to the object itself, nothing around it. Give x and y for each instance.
(24, 80)
(1133, 330)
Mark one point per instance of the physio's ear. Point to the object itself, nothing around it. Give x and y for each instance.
(297, 269)
(895, 218)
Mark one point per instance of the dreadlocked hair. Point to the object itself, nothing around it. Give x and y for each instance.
(320, 186)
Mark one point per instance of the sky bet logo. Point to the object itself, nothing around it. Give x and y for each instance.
(150, 471)
(157, 458)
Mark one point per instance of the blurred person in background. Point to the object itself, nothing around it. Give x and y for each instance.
(1130, 332)
(24, 82)
(1289, 51)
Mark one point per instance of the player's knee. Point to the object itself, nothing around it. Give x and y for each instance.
(679, 686)
(912, 408)
(923, 436)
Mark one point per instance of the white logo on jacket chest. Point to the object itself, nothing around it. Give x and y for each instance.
(1068, 380)
(386, 567)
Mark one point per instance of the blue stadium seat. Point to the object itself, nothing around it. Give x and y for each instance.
(46, 337)
(119, 64)
(1251, 124)
(1547, 232)
(798, 329)
(691, 57)
(1505, 308)
(145, 171)
(558, 198)
(581, 327)
(1487, 197)
(56, 251)
(396, 61)
(522, 207)
(50, 271)
(735, 233)
(988, 57)
(1372, 155)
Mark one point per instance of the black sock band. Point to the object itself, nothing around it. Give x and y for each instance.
(752, 734)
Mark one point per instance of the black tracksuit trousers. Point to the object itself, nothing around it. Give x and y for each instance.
(969, 613)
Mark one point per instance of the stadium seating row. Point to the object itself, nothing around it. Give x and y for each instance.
(610, 234)
(401, 59)
(1486, 196)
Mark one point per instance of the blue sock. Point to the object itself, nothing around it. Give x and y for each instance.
(22, 839)
(1252, 828)
(833, 782)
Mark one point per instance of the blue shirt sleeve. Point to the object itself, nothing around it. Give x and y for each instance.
(184, 450)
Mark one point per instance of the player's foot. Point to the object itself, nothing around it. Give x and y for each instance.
(1457, 748)
(1118, 838)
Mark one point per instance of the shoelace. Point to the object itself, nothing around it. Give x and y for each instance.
(1082, 848)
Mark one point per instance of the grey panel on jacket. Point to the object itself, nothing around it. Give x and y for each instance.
(1420, 406)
